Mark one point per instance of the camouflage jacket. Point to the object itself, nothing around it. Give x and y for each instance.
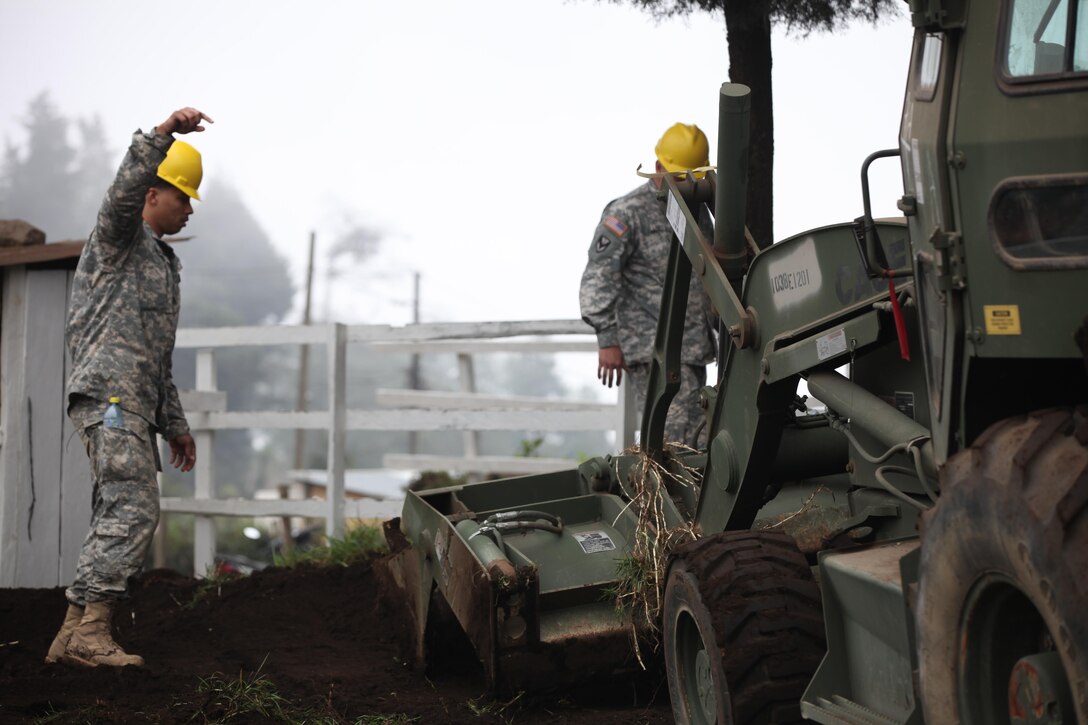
(123, 315)
(622, 284)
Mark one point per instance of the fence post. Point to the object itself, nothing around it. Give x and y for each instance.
(334, 491)
(204, 484)
(466, 372)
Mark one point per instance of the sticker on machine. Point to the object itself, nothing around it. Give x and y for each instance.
(676, 218)
(795, 276)
(593, 542)
(831, 344)
(1002, 319)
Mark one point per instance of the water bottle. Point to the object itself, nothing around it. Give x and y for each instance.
(113, 418)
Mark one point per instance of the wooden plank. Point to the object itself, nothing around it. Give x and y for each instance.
(466, 374)
(515, 420)
(272, 420)
(196, 401)
(247, 336)
(311, 508)
(364, 508)
(420, 420)
(13, 454)
(452, 400)
(43, 423)
(336, 358)
(410, 334)
(463, 330)
(543, 347)
(368, 508)
(76, 483)
(513, 465)
(204, 472)
(35, 253)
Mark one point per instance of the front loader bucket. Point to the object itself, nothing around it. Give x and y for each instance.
(527, 566)
(401, 589)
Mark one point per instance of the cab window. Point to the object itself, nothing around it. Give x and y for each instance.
(1045, 38)
(1041, 223)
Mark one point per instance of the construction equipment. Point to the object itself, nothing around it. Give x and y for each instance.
(914, 548)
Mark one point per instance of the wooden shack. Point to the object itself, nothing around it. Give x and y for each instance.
(45, 481)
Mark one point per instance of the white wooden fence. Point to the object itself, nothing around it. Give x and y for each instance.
(402, 410)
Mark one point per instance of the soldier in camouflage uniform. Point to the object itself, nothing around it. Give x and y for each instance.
(121, 326)
(623, 281)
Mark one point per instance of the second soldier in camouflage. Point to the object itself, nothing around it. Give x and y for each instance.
(621, 288)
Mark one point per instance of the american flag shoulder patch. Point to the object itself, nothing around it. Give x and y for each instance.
(615, 225)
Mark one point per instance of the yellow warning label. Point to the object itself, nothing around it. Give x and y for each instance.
(1002, 319)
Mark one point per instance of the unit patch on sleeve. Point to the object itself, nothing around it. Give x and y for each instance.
(615, 225)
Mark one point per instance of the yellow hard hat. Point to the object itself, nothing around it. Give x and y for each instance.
(682, 148)
(182, 168)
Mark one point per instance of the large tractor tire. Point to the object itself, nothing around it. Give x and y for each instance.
(1003, 591)
(743, 629)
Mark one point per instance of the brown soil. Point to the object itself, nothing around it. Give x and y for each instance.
(317, 635)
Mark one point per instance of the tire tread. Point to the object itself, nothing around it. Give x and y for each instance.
(767, 616)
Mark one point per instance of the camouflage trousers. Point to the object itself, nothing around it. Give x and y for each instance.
(685, 412)
(125, 501)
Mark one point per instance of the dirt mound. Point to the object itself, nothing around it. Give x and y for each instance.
(317, 636)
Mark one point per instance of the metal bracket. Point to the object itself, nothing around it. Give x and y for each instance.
(951, 263)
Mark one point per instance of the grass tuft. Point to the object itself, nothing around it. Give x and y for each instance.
(251, 694)
(253, 697)
(641, 574)
(503, 710)
(358, 544)
(89, 714)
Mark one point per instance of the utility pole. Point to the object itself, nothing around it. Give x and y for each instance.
(304, 359)
(300, 397)
(413, 368)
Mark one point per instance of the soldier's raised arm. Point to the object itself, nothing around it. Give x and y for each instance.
(121, 213)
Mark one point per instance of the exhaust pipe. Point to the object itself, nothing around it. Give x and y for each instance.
(731, 198)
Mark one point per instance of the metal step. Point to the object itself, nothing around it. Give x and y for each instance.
(840, 711)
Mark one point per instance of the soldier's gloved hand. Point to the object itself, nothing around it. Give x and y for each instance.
(183, 452)
(183, 120)
(610, 364)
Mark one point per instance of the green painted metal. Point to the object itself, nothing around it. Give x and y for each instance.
(797, 357)
(730, 200)
(871, 414)
(850, 483)
(565, 544)
(869, 676)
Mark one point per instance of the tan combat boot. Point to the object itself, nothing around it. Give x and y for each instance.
(92, 643)
(60, 642)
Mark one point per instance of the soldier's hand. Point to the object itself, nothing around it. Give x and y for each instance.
(183, 452)
(610, 365)
(183, 120)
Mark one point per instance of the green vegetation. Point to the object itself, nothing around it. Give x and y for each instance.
(504, 710)
(89, 714)
(530, 447)
(357, 544)
(213, 582)
(253, 695)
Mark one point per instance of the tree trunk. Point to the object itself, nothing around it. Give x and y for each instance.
(748, 33)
